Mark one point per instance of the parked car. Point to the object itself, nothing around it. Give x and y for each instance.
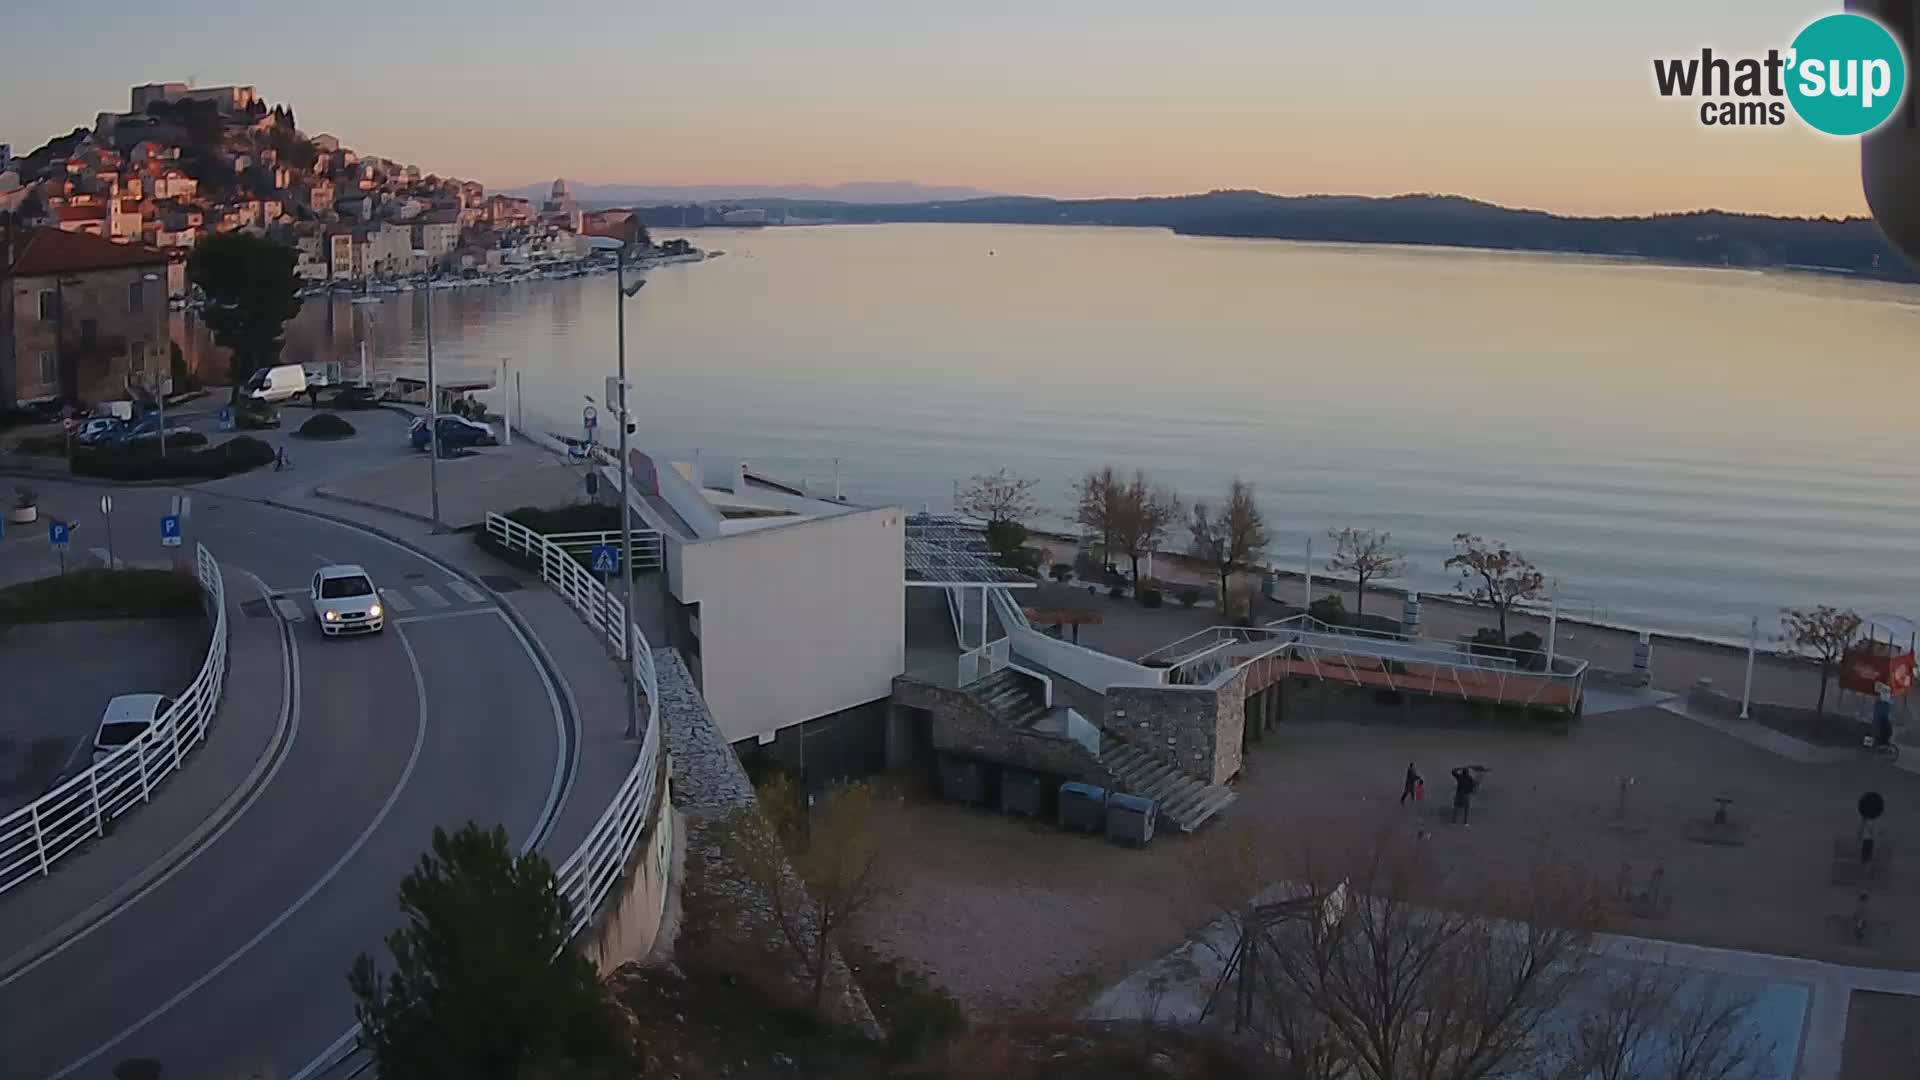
(254, 413)
(456, 433)
(127, 718)
(277, 383)
(355, 397)
(98, 430)
(345, 601)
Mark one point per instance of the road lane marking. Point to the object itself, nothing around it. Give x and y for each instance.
(396, 599)
(289, 610)
(465, 592)
(426, 593)
(442, 616)
(406, 774)
(289, 726)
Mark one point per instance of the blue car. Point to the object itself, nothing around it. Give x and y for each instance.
(456, 433)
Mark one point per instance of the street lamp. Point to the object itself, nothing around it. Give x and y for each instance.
(623, 293)
(433, 408)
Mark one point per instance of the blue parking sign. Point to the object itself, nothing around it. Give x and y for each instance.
(170, 530)
(606, 559)
(57, 533)
(226, 418)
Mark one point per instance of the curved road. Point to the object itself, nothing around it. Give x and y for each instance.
(235, 960)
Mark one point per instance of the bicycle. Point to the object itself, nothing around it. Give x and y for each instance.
(1873, 747)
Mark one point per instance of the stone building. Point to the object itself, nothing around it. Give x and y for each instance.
(81, 316)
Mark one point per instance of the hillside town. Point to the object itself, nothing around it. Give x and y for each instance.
(97, 224)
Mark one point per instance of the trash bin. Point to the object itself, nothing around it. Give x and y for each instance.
(1023, 793)
(1130, 819)
(1083, 807)
(962, 780)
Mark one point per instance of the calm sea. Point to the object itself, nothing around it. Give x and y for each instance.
(1683, 449)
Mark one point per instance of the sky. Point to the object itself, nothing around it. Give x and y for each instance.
(1519, 102)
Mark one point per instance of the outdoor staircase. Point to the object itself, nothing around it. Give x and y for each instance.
(1012, 698)
(1184, 800)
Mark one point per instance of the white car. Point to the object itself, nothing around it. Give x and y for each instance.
(345, 602)
(127, 718)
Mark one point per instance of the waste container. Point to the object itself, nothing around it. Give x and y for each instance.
(1083, 807)
(1022, 793)
(1130, 818)
(962, 780)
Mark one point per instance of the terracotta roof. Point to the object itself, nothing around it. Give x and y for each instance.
(53, 251)
(88, 212)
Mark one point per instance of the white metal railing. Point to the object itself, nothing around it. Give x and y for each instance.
(978, 663)
(646, 544)
(594, 868)
(64, 819)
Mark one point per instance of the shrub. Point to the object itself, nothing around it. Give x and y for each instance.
(1062, 571)
(1486, 642)
(1086, 565)
(1118, 592)
(99, 593)
(1330, 610)
(1529, 651)
(134, 463)
(1150, 597)
(55, 443)
(325, 426)
(1190, 595)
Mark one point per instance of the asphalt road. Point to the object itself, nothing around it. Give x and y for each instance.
(236, 960)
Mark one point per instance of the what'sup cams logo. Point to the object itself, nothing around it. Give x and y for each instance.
(1844, 75)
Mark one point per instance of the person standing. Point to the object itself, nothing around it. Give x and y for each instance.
(1463, 785)
(1410, 788)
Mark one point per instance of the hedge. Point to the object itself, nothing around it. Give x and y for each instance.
(585, 517)
(326, 426)
(99, 593)
(236, 455)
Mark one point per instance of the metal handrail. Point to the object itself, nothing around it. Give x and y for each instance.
(64, 819)
(591, 872)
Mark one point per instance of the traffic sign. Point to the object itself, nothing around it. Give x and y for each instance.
(106, 504)
(589, 418)
(57, 533)
(606, 559)
(170, 530)
(71, 424)
(226, 418)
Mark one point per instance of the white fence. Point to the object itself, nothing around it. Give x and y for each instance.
(63, 820)
(594, 868)
(646, 545)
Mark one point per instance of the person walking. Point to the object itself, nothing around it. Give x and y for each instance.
(1412, 787)
(1464, 783)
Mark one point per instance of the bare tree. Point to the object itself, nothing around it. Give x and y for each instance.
(814, 877)
(1001, 497)
(1146, 514)
(1827, 633)
(1096, 498)
(1365, 555)
(1493, 575)
(1649, 1021)
(1232, 540)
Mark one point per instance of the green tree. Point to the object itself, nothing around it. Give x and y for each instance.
(251, 292)
(484, 985)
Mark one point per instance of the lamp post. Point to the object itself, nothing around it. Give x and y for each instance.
(622, 293)
(433, 408)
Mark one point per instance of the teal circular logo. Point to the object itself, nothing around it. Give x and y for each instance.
(1846, 74)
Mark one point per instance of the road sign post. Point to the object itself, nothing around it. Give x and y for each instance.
(226, 418)
(59, 534)
(106, 512)
(606, 561)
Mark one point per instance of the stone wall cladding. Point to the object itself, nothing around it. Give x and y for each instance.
(709, 783)
(962, 725)
(1195, 729)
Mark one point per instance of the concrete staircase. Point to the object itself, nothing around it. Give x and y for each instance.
(1184, 800)
(1011, 697)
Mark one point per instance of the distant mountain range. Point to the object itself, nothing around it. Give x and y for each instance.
(1700, 238)
(879, 192)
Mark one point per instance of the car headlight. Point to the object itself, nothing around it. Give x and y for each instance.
(332, 616)
(373, 612)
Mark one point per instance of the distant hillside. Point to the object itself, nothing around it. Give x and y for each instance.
(1703, 238)
(880, 192)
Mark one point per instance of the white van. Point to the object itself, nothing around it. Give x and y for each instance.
(277, 383)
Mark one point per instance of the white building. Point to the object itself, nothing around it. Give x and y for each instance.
(788, 608)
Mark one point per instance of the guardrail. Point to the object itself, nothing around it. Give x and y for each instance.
(646, 545)
(63, 820)
(594, 868)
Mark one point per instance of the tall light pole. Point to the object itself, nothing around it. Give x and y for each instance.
(622, 293)
(433, 409)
